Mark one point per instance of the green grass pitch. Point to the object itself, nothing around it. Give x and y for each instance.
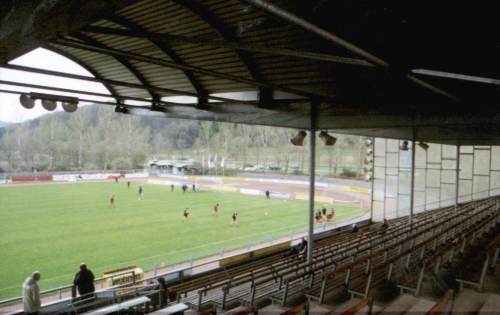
(54, 227)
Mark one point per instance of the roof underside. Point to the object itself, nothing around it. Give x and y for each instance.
(373, 69)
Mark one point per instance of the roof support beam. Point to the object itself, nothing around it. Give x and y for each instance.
(164, 47)
(169, 64)
(26, 25)
(96, 75)
(211, 19)
(58, 89)
(180, 39)
(116, 82)
(121, 60)
(291, 18)
(207, 16)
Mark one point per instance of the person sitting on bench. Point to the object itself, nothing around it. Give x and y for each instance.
(384, 227)
(354, 228)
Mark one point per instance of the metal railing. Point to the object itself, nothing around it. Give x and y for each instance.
(65, 290)
(59, 291)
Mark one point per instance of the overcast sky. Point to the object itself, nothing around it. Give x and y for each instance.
(12, 111)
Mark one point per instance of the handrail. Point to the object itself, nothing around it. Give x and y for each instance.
(64, 287)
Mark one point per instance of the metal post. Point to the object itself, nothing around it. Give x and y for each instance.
(412, 188)
(373, 181)
(457, 178)
(312, 169)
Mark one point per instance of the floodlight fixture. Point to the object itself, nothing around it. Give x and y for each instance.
(121, 109)
(299, 138)
(328, 140)
(26, 101)
(404, 146)
(423, 145)
(70, 106)
(49, 105)
(157, 108)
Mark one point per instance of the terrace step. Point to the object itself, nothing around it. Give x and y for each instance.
(400, 305)
(421, 307)
(491, 305)
(469, 301)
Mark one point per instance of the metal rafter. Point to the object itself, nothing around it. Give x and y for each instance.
(170, 64)
(227, 34)
(73, 91)
(110, 82)
(210, 42)
(163, 46)
(91, 70)
(310, 27)
(123, 61)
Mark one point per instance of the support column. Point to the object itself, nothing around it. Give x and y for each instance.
(457, 177)
(373, 181)
(312, 170)
(412, 188)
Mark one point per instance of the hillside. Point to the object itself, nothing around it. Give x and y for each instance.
(4, 124)
(96, 138)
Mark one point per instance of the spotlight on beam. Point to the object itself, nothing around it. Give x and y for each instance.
(49, 105)
(299, 138)
(121, 109)
(404, 146)
(70, 106)
(423, 145)
(26, 101)
(327, 139)
(157, 108)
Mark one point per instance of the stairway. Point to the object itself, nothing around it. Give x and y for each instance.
(469, 301)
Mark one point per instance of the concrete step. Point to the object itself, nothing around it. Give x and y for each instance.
(421, 307)
(236, 310)
(491, 305)
(400, 305)
(469, 301)
(318, 309)
(340, 308)
(366, 310)
(273, 309)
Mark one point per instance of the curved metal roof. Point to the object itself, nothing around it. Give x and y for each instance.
(369, 68)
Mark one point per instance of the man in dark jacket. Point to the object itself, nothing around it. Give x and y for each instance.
(84, 281)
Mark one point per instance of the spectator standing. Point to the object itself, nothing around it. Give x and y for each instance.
(84, 281)
(194, 187)
(162, 286)
(31, 294)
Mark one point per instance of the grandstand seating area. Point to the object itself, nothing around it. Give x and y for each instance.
(358, 266)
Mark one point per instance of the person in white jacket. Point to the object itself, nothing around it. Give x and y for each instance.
(31, 294)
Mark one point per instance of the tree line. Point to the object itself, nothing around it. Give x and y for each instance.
(96, 138)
